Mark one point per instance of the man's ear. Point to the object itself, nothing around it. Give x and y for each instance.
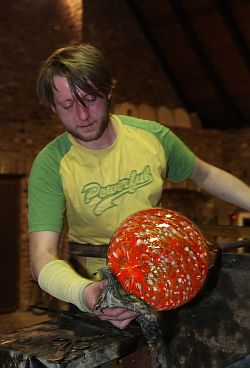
(110, 95)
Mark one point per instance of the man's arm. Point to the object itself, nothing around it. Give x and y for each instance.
(60, 280)
(221, 184)
(55, 276)
(43, 249)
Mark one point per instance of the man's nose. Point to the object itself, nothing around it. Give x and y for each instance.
(82, 111)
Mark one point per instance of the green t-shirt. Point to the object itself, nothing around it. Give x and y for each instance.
(97, 189)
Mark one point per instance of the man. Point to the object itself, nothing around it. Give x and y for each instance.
(102, 169)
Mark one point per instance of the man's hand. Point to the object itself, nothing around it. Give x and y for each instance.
(119, 317)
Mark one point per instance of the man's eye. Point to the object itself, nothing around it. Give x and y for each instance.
(68, 107)
(90, 99)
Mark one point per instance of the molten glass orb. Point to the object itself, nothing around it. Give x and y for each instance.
(160, 256)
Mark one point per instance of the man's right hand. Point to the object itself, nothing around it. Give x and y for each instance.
(119, 317)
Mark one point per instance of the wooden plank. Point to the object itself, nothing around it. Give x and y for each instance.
(227, 231)
(9, 240)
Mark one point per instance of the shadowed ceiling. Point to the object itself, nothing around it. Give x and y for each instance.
(203, 47)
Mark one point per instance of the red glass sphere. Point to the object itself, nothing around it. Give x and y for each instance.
(160, 256)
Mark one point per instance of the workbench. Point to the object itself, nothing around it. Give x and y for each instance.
(68, 341)
(211, 331)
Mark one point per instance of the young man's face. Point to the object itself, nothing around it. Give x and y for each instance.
(87, 123)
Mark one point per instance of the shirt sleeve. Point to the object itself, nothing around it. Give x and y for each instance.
(45, 194)
(180, 159)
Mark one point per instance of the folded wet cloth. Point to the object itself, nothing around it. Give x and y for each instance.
(114, 296)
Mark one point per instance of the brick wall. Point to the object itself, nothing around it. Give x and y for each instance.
(29, 31)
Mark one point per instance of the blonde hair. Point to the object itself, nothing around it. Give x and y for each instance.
(84, 67)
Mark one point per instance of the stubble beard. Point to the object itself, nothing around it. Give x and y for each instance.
(103, 126)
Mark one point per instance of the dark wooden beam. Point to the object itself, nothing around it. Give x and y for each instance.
(160, 55)
(234, 30)
(195, 42)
